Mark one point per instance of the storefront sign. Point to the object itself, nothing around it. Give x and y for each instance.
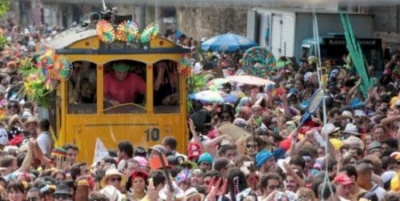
(342, 41)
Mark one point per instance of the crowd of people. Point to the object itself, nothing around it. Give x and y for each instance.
(253, 148)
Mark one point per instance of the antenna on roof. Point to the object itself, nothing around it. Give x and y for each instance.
(104, 5)
(106, 13)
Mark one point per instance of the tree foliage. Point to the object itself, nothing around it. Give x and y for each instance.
(4, 7)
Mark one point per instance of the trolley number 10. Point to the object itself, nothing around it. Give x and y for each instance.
(152, 134)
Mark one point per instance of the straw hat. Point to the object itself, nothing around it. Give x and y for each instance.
(191, 192)
(347, 114)
(32, 119)
(112, 171)
(112, 193)
(354, 141)
(351, 129)
(296, 119)
(329, 129)
(12, 119)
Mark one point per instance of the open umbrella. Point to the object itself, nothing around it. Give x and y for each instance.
(230, 98)
(217, 82)
(228, 43)
(207, 96)
(250, 80)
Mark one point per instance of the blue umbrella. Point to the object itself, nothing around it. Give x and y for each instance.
(228, 43)
(178, 33)
(230, 98)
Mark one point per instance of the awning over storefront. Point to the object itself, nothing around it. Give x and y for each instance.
(389, 39)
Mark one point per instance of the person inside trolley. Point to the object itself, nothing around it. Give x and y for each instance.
(121, 86)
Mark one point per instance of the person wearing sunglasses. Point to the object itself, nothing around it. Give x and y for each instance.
(269, 183)
(226, 113)
(13, 108)
(113, 178)
(253, 145)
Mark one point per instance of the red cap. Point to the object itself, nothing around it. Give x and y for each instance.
(285, 144)
(194, 150)
(342, 179)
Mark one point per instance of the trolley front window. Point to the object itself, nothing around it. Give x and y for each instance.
(124, 87)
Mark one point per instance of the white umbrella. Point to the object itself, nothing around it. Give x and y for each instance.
(208, 96)
(217, 82)
(250, 80)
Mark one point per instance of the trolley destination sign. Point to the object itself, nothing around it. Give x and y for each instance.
(119, 45)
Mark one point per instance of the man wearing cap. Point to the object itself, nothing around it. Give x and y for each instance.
(264, 161)
(63, 193)
(121, 86)
(343, 186)
(375, 149)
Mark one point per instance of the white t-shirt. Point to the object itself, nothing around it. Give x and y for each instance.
(121, 165)
(45, 143)
(379, 191)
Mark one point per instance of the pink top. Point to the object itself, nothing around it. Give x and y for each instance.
(123, 91)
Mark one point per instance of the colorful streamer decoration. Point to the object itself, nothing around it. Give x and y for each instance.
(184, 65)
(127, 31)
(44, 76)
(46, 60)
(258, 61)
(65, 71)
(105, 31)
(121, 36)
(149, 33)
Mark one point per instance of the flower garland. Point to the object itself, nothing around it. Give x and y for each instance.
(42, 74)
(35, 86)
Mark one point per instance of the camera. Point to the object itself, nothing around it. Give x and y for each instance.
(279, 196)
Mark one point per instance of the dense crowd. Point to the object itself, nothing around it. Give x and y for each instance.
(251, 147)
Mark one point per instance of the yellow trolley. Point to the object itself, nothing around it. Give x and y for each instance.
(80, 113)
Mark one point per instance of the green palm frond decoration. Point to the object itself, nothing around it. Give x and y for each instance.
(26, 68)
(194, 84)
(356, 55)
(34, 84)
